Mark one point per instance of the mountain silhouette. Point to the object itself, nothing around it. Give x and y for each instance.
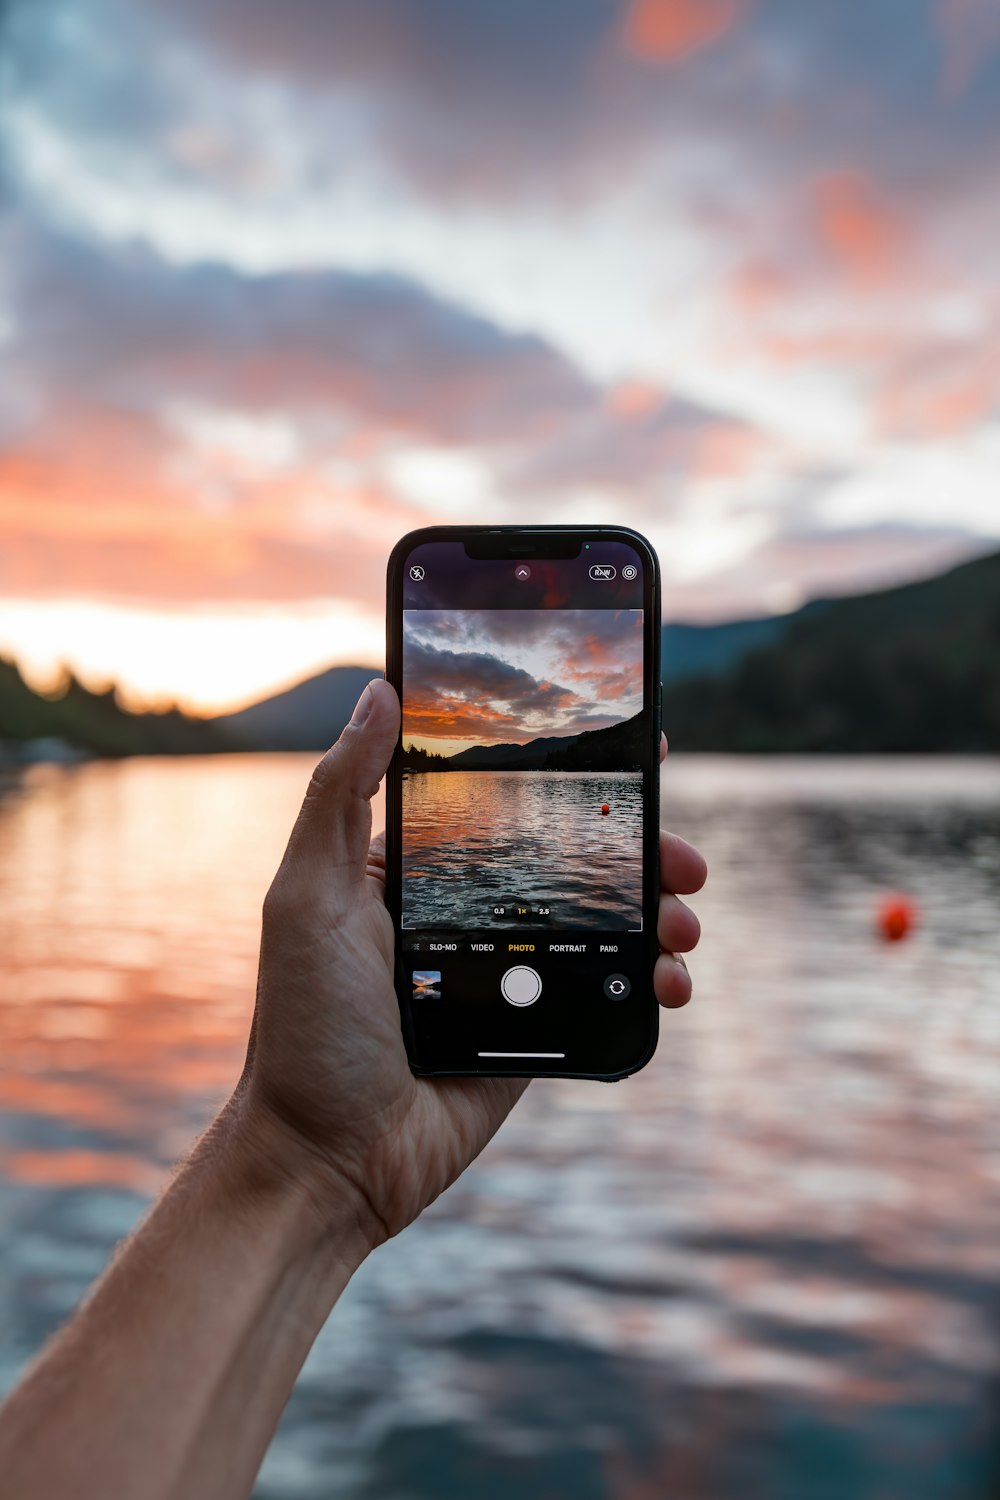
(908, 669)
(616, 748)
(308, 716)
(911, 668)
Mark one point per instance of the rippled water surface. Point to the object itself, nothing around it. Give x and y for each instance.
(768, 1265)
(473, 839)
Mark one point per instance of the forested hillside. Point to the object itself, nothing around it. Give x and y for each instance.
(915, 668)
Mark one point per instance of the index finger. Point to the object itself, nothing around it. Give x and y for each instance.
(682, 868)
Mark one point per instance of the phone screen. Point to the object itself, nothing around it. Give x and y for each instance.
(528, 760)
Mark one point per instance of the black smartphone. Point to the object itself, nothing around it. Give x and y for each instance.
(522, 804)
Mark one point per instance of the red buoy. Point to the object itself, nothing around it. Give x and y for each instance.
(605, 809)
(896, 916)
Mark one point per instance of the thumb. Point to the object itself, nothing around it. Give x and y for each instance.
(335, 823)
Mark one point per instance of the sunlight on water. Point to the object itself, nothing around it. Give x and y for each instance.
(473, 838)
(766, 1266)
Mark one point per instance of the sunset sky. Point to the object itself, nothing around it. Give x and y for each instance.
(280, 282)
(506, 676)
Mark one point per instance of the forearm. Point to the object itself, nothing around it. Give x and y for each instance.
(171, 1377)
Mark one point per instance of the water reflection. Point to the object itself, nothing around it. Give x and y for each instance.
(568, 840)
(765, 1266)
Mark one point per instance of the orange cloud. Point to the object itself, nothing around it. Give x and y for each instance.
(633, 399)
(438, 717)
(858, 228)
(607, 686)
(593, 651)
(939, 393)
(759, 285)
(831, 346)
(102, 511)
(728, 451)
(667, 31)
(200, 434)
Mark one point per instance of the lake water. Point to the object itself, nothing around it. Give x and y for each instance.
(475, 839)
(767, 1266)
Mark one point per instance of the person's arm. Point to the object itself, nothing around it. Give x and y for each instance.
(169, 1380)
(171, 1377)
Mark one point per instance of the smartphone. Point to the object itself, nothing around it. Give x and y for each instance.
(522, 803)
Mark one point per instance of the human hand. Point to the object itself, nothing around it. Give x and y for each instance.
(327, 1091)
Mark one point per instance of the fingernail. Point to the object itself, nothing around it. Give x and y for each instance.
(364, 706)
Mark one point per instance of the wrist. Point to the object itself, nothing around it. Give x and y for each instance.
(275, 1171)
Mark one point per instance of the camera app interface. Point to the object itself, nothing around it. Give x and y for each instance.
(525, 740)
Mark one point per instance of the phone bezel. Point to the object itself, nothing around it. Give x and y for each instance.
(652, 700)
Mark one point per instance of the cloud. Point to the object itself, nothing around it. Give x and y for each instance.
(126, 323)
(531, 672)
(970, 32)
(473, 673)
(466, 101)
(57, 548)
(667, 31)
(451, 694)
(938, 388)
(196, 431)
(476, 101)
(452, 93)
(103, 490)
(627, 452)
(807, 561)
(611, 632)
(857, 226)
